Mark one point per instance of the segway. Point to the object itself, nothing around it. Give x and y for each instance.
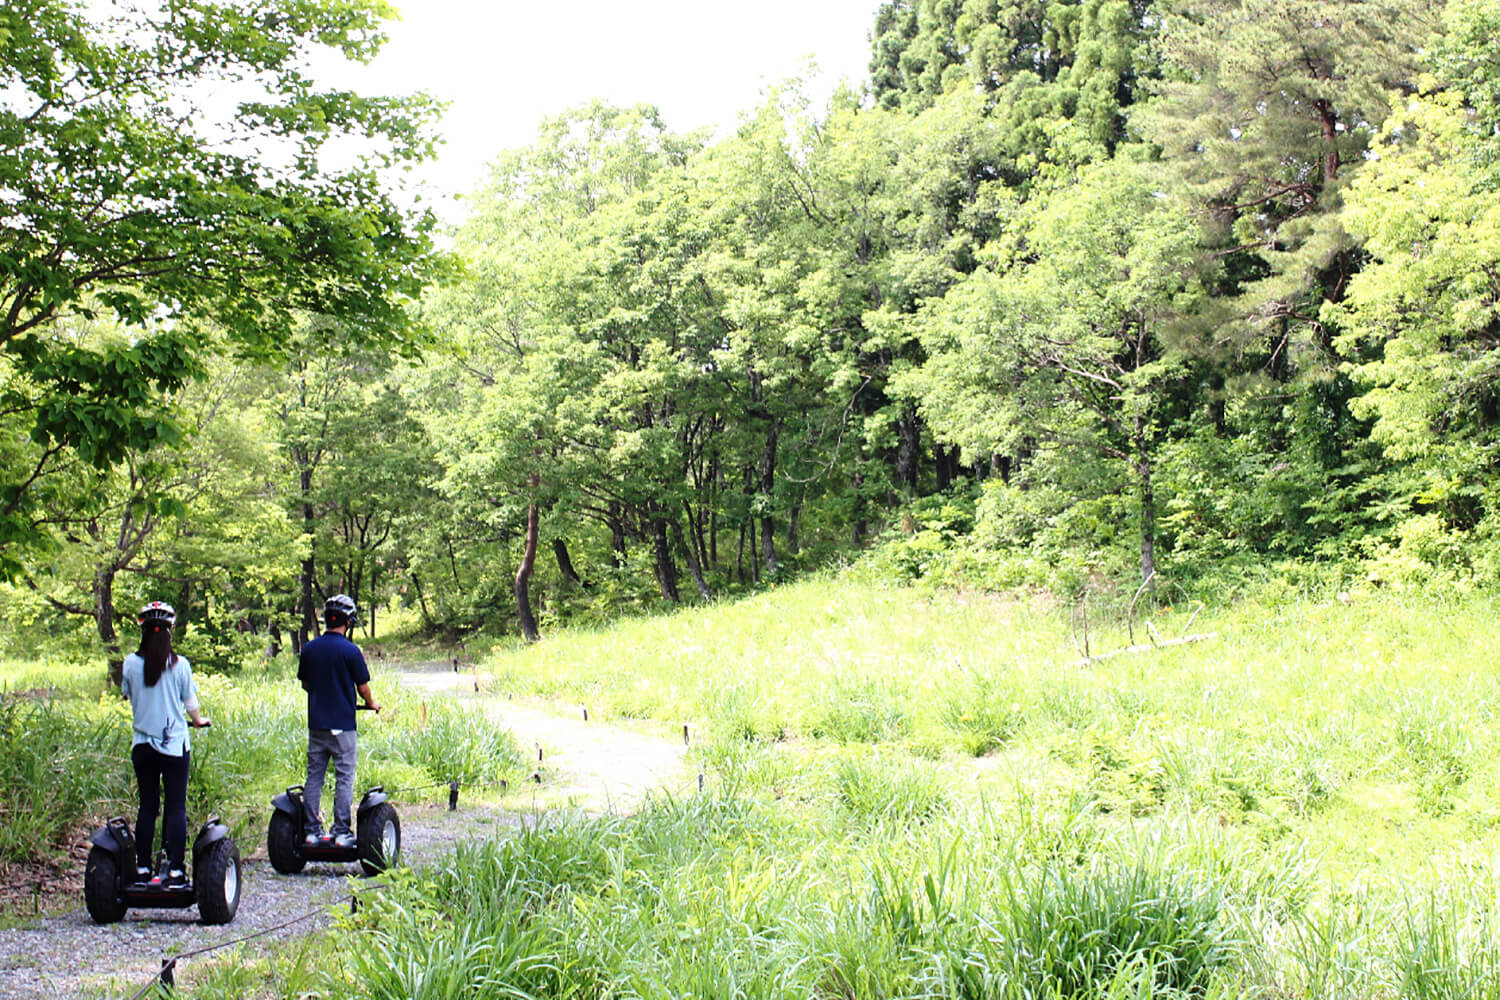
(377, 840)
(214, 887)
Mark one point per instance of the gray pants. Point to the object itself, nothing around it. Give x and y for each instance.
(323, 745)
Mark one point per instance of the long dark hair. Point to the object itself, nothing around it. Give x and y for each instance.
(156, 650)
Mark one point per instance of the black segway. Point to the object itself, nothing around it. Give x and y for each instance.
(377, 838)
(214, 886)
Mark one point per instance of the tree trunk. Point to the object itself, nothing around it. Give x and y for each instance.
(858, 529)
(768, 545)
(616, 535)
(421, 598)
(565, 562)
(754, 553)
(1329, 122)
(697, 536)
(666, 568)
(1148, 506)
(947, 468)
(908, 455)
(793, 523)
(694, 566)
(104, 620)
(739, 557)
(716, 478)
(523, 572)
(185, 608)
(453, 566)
(768, 490)
(374, 572)
(309, 626)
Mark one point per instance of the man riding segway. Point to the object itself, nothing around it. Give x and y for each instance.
(332, 671)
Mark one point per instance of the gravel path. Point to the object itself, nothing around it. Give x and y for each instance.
(66, 954)
(593, 766)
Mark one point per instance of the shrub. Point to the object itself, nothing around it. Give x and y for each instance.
(446, 743)
(874, 789)
(1073, 931)
(58, 767)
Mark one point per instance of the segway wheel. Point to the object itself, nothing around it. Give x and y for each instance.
(379, 839)
(282, 844)
(102, 891)
(218, 880)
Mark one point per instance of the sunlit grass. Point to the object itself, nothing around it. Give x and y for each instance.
(1291, 719)
(65, 755)
(936, 797)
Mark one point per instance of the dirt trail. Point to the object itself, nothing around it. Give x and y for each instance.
(594, 766)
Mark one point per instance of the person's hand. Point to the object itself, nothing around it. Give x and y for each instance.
(373, 706)
(202, 722)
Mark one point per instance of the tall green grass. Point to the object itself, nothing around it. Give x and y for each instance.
(65, 758)
(935, 798)
(56, 767)
(711, 898)
(1294, 719)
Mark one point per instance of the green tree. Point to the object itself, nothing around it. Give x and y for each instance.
(1422, 319)
(1262, 114)
(127, 190)
(1062, 344)
(187, 523)
(559, 387)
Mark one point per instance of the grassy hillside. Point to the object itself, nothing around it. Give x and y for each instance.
(934, 797)
(910, 796)
(1364, 724)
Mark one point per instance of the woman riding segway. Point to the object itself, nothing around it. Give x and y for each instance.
(159, 685)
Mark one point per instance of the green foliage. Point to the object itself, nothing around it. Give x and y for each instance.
(1076, 929)
(127, 202)
(67, 757)
(58, 767)
(874, 789)
(450, 744)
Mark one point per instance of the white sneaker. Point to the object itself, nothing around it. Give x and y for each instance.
(345, 839)
(312, 838)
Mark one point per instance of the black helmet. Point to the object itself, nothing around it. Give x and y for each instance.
(339, 609)
(157, 611)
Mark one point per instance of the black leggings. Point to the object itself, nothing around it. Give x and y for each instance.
(156, 773)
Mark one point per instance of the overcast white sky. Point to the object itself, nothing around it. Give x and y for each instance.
(504, 65)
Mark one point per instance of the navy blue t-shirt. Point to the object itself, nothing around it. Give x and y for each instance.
(330, 668)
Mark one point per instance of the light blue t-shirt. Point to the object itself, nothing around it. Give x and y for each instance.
(160, 711)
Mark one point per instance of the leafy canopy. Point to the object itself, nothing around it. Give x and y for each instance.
(169, 164)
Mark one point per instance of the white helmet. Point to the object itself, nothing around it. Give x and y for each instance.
(343, 606)
(157, 611)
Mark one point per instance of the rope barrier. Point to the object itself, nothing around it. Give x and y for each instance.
(169, 965)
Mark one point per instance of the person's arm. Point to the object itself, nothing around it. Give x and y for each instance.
(190, 694)
(364, 692)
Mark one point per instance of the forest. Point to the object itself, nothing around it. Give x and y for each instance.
(1088, 297)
